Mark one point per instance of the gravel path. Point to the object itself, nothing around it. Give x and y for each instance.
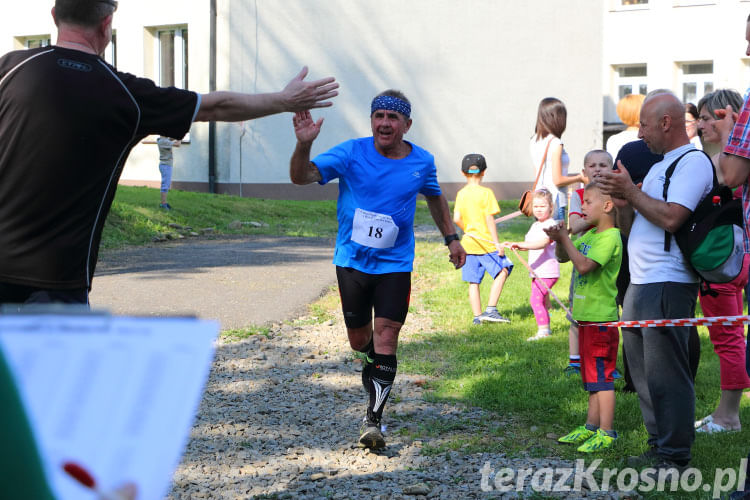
(280, 419)
(281, 412)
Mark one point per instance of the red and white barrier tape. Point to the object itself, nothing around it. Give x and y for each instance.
(533, 274)
(715, 320)
(508, 217)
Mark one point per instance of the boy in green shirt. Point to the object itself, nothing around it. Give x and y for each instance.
(596, 257)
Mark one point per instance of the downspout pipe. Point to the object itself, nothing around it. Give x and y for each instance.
(212, 88)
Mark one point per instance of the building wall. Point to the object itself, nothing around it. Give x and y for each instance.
(665, 33)
(474, 71)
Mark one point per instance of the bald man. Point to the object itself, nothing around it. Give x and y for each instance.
(662, 285)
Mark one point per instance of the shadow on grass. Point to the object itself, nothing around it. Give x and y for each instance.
(495, 369)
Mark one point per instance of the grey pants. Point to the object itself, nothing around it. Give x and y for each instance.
(659, 364)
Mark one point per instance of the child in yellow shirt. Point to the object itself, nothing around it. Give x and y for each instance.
(474, 212)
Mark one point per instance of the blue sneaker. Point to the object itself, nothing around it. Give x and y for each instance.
(476, 321)
(165, 206)
(572, 370)
(493, 317)
(616, 374)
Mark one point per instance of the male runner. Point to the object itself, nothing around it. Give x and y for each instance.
(379, 179)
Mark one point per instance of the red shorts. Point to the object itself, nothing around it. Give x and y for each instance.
(598, 348)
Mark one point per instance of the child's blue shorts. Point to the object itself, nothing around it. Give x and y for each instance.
(492, 263)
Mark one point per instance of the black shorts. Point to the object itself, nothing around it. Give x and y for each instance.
(20, 294)
(361, 292)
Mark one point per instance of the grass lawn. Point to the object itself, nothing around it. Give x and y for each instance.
(489, 366)
(493, 366)
(136, 218)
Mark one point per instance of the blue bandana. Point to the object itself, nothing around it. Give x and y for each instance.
(391, 104)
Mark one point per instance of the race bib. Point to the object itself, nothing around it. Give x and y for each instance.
(372, 229)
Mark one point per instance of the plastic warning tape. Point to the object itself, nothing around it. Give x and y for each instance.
(715, 320)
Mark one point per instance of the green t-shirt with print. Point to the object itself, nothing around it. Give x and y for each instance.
(595, 292)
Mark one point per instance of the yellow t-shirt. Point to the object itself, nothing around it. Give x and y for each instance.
(474, 203)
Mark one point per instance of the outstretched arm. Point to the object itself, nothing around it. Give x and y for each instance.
(559, 234)
(555, 162)
(301, 169)
(298, 95)
(527, 245)
(441, 214)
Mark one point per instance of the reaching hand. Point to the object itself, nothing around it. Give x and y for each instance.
(300, 95)
(725, 123)
(556, 232)
(305, 128)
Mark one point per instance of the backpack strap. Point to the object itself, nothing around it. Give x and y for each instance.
(668, 176)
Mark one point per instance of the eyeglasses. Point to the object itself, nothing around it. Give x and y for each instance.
(113, 3)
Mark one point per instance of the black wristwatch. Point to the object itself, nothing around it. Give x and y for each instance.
(451, 237)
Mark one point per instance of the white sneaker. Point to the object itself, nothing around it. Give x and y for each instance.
(538, 336)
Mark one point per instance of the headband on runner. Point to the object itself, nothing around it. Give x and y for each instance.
(390, 103)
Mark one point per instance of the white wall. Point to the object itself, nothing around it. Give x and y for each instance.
(474, 71)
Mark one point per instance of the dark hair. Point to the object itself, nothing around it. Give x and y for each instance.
(691, 109)
(86, 13)
(551, 118)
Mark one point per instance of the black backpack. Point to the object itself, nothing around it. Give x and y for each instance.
(711, 239)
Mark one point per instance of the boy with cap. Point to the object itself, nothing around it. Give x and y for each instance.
(474, 212)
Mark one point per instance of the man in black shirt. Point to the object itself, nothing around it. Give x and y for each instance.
(68, 121)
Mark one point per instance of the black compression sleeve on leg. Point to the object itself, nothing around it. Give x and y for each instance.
(381, 380)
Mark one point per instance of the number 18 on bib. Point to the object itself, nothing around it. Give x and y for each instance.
(374, 230)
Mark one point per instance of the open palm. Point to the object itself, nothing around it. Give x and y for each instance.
(305, 128)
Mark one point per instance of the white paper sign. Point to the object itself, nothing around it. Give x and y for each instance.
(372, 229)
(115, 395)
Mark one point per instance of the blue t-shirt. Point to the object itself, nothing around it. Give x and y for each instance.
(381, 186)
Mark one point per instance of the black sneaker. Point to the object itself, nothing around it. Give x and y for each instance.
(668, 465)
(366, 372)
(646, 459)
(370, 435)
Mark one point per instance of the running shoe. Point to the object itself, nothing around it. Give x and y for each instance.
(370, 435)
(493, 317)
(476, 321)
(538, 336)
(572, 370)
(616, 374)
(577, 435)
(599, 441)
(165, 206)
(646, 459)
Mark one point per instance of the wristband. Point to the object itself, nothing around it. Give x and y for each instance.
(451, 237)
